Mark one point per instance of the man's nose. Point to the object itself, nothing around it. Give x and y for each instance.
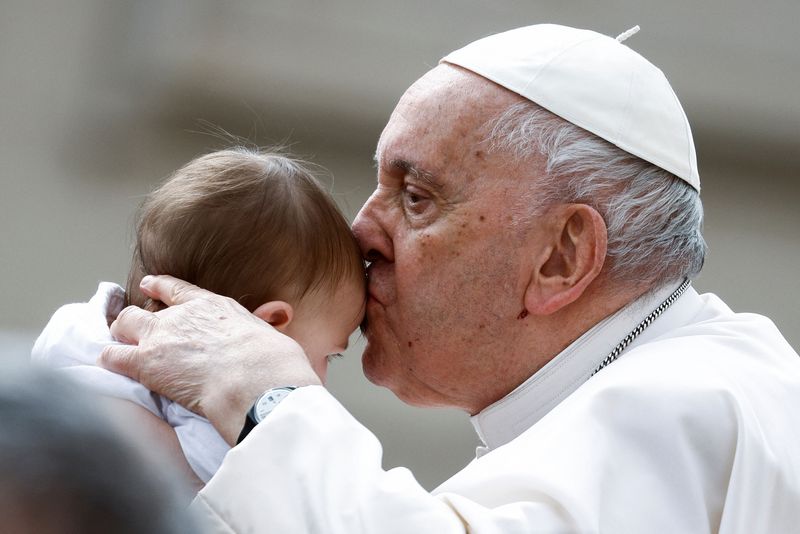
(371, 231)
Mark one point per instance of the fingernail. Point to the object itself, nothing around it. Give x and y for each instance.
(146, 281)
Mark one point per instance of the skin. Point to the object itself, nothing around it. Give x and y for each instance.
(443, 295)
(470, 292)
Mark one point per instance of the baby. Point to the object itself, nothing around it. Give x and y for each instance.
(253, 226)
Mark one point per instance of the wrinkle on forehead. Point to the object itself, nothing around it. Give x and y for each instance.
(465, 87)
(455, 96)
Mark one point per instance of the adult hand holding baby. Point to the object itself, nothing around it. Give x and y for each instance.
(217, 365)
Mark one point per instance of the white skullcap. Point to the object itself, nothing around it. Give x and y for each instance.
(594, 82)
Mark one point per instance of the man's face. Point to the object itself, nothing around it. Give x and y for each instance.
(445, 230)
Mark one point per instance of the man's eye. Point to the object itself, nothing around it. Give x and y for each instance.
(414, 199)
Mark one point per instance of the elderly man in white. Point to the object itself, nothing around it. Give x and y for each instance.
(531, 240)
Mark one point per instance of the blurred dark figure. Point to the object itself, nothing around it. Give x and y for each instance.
(65, 468)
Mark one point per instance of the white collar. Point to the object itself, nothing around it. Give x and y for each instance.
(507, 418)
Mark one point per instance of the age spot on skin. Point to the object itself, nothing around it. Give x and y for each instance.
(409, 343)
(479, 154)
(481, 218)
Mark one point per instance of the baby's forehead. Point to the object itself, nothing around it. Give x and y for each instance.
(350, 292)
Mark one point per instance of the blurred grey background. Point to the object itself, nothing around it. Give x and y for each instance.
(100, 100)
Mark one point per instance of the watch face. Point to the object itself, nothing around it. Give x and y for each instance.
(268, 401)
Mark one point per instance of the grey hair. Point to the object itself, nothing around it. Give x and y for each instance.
(654, 219)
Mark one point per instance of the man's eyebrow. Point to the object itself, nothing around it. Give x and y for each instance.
(423, 175)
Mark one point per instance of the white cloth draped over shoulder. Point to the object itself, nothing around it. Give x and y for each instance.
(72, 342)
(694, 429)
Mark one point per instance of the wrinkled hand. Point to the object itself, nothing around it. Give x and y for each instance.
(205, 352)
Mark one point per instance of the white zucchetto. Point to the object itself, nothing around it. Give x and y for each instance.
(595, 82)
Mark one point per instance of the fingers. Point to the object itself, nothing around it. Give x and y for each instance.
(131, 323)
(170, 290)
(121, 359)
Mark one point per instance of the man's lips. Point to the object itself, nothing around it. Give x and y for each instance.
(373, 277)
(372, 302)
(380, 284)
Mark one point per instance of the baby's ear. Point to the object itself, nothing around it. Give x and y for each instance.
(276, 312)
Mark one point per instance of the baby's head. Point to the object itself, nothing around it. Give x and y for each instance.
(256, 227)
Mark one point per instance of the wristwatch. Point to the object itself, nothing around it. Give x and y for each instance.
(262, 408)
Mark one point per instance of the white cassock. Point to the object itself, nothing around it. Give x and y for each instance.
(694, 429)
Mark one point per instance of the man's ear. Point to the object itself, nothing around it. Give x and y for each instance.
(276, 312)
(571, 261)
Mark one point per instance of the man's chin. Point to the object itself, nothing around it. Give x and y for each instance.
(370, 365)
(380, 373)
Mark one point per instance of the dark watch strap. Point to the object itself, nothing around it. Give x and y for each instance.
(249, 424)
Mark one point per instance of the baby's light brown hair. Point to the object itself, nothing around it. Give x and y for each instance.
(252, 225)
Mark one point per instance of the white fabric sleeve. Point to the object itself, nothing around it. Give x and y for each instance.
(311, 467)
(615, 459)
